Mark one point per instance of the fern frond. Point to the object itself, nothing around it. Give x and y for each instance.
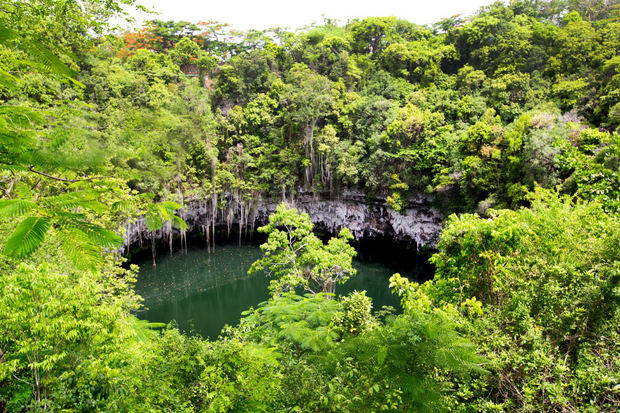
(171, 206)
(37, 52)
(78, 199)
(93, 233)
(144, 329)
(10, 208)
(8, 81)
(23, 113)
(27, 237)
(153, 221)
(23, 191)
(121, 205)
(82, 253)
(12, 168)
(62, 216)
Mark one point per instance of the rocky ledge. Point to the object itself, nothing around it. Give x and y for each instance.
(418, 225)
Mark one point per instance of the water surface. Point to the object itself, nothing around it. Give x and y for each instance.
(203, 291)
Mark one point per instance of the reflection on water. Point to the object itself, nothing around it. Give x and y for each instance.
(203, 291)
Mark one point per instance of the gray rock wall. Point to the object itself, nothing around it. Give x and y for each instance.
(418, 225)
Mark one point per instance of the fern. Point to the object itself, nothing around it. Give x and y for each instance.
(75, 246)
(8, 81)
(42, 57)
(94, 233)
(27, 237)
(178, 223)
(144, 329)
(11, 208)
(80, 240)
(158, 214)
(121, 205)
(79, 199)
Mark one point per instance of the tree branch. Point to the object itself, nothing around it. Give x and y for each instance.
(31, 169)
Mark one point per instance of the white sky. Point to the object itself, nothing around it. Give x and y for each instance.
(263, 14)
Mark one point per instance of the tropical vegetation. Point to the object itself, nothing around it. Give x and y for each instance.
(508, 119)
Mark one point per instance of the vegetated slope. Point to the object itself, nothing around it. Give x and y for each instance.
(476, 110)
(97, 128)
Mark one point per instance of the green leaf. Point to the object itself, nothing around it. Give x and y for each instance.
(178, 223)
(121, 205)
(27, 237)
(94, 233)
(10, 208)
(8, 81)
(381, 355)
(81, 251)
(79, 199)
(153, 220)
(171, 205)
(40, 54)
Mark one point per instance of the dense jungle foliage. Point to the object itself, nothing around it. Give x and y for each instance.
(508, 119)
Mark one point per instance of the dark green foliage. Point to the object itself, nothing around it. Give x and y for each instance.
(98, 129)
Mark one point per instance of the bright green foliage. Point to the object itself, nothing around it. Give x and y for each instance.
(57, 332)
(157, 214)
(355, 316)
(97, 129)
(29, 141)
(295, 257)
(547, 278)
(80, 238)
(336, 356)
(470, 112)
(594, 167)
(290, 320)
(40, 57)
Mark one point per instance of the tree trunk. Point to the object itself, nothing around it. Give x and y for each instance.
(170, 239)
(329, 286)
(153, 249)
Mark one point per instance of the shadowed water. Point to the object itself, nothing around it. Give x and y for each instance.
(203, 291)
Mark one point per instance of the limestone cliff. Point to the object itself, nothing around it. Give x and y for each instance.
(419, 224)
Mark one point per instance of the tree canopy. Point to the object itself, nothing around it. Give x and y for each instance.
(508, 120)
